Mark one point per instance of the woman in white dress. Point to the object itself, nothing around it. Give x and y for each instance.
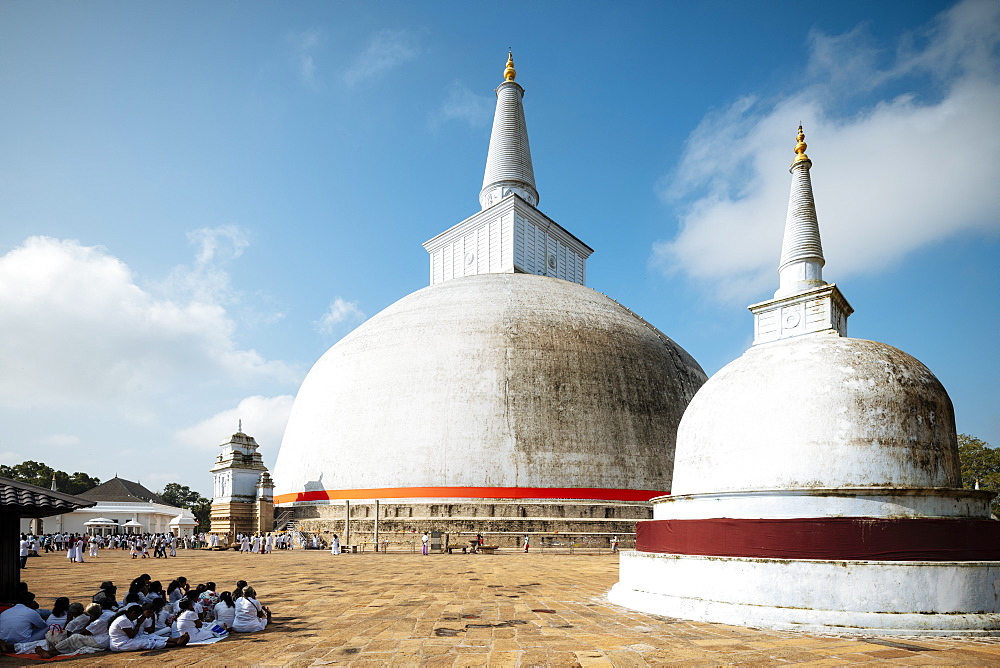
(251, 616)
(78, 551)
(188, 623)
(225, 610)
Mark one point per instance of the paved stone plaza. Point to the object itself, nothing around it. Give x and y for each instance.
(508, 609)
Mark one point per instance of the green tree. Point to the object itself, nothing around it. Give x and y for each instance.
(37, 473)
(183, 496)
(980, 462)
(178, 495)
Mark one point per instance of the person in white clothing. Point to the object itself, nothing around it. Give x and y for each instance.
(188, 623)
(244, 545)
(268, 544)
(424, 540)
(251, 616)
(21, 623)
(225, 610)
(88, 633)
(125, 636)
(78, 551)
(335, 545)
(93, 546)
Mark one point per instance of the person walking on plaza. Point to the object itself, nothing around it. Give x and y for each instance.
(424, 540)
(335, 545)
(527, 543)
(614, 544)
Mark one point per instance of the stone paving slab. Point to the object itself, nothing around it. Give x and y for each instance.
(508, 609)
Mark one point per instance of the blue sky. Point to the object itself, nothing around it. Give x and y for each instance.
(198, 199)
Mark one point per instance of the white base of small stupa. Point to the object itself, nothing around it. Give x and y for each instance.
(864, 597)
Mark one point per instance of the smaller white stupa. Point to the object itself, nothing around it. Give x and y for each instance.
(816, 480)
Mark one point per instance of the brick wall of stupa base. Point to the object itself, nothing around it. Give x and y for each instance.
(501, 523)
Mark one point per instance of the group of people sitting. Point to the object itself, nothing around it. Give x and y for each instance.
(148, 617)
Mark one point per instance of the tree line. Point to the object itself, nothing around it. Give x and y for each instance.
(173, 494)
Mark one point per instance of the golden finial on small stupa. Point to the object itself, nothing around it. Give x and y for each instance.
(510, 72)
(800, 146)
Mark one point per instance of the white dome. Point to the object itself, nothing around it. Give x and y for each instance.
(497, 380)
(819, 411)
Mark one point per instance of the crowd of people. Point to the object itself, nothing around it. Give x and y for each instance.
(148, 616)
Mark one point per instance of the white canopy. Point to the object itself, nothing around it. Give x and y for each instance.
(131, 523)
(100, 521)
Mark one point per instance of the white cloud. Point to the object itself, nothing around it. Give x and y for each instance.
(264, 418)
(304, 47)
(466, 107)
(61, 440)
(78, 330)
(226, 242)
(340, 311)
(384, 50)
(902, 172)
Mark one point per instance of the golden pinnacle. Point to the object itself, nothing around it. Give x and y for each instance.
(510, 72)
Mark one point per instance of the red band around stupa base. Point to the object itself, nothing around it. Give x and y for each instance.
(582, 493)
(830, 538)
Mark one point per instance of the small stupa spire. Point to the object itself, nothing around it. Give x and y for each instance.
(801, 266)
(54, 481)
(508, 163)
(804, 303)
(239, 429)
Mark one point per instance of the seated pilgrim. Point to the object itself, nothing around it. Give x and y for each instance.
(250, 614)
(21, 623)
(126, 636)
(188, 623)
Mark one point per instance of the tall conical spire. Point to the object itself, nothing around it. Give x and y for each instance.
(508, 164)
(804, 302)
(801, 266)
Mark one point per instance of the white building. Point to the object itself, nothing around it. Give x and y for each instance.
(122, 506)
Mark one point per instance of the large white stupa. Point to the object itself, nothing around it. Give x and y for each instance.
(816, 481)
(506, 397)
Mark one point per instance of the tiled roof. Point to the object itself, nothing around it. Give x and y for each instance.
(119, 489)
(33, 501)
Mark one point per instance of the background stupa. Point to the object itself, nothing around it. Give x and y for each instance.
(816, 480)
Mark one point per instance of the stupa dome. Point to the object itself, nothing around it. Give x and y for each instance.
(499, 380)
(818, 411)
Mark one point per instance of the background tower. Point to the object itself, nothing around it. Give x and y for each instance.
(241, 497)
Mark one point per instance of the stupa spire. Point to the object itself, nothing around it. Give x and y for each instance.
(801, 265)
(804, 303)
(508, 163)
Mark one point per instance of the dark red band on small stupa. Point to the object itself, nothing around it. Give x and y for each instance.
(827, 538)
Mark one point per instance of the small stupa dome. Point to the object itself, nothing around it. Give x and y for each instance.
(818, 411)
(491, 381)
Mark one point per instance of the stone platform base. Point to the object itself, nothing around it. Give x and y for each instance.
(863, 597)
(505, 523)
